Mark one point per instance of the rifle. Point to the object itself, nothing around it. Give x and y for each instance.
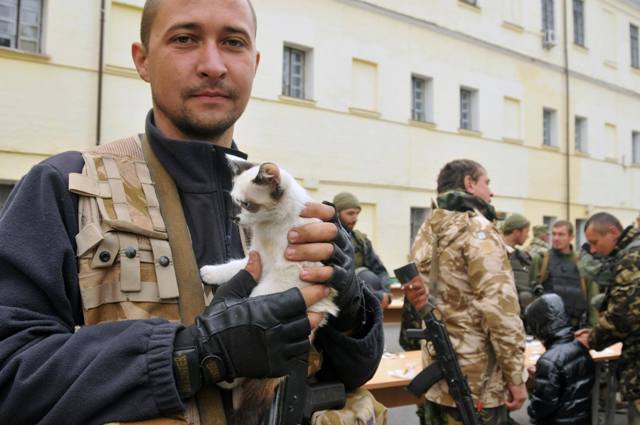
(445, 365)
(295, 400)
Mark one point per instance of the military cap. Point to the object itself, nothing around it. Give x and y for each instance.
(514, 222)
(540, 229)
(346, 200)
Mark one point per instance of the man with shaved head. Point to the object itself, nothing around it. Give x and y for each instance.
(104, 315)
(619, 319)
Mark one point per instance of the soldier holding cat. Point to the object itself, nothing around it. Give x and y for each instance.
(100, 250)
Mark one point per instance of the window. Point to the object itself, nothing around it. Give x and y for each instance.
(548, 23)
(548, 220)
(421, 99)
(468, 108)
(418, 216)
(293, 72)
(635, 50)
(581, 134)
(364, 85)
(635, 147)
(511, 117)
(549, 137)
(5, 190)
(578, 22)
(580, 238)
(21, 24)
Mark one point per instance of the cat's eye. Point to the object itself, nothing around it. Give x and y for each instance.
(249, 206)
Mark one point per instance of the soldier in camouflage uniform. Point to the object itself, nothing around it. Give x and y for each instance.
(515, 231)
(472, 285)
(540, 243)
(368, 266)
(619, 319)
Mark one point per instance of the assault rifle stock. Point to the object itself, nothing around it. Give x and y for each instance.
(445, 365)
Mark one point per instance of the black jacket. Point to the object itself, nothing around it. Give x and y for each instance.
(53, 370)
(564, 373)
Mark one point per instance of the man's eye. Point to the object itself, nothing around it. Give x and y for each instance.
(183, 39)
(234, 42)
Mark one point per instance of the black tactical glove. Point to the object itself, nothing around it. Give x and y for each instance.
(258, 337)
(239, 286)
(349, 299)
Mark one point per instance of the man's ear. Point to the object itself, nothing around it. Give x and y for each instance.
(139, 55)
(468, 183)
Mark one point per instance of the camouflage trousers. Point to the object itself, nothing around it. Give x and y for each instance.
(436, 414)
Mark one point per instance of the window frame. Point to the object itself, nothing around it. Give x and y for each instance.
(634, 45)
(5, 191)
(581, 135)
(415, 213)
(635, 147)
(579, 23)
(552, 127)
(427, 98)
(17, 40)
(548, 16)
(471, 122)
(301, 91)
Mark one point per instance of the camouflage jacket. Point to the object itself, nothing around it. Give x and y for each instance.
(537, 247)
(476, 296)
(620, 321)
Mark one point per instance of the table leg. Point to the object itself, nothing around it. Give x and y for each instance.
(595, 395)
(612, 387)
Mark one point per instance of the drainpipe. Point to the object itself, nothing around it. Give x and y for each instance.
(567, 97)
(100, 73)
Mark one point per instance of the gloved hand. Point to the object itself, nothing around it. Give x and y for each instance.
(343, 279)
(256, 337)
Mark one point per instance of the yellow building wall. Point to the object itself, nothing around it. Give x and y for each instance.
(49, 102)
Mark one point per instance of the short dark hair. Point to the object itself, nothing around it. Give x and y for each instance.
(601, 222)
(150, 11)
(452, 175)
(564, 223)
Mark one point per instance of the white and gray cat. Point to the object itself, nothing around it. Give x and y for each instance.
(270, 202)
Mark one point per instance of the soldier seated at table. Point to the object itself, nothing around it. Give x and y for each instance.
(560, 383)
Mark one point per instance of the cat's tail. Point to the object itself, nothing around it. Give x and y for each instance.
(257, 396)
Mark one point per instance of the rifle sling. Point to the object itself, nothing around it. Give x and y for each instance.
(190, 288)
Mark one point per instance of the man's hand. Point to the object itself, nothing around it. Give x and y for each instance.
(517, 396)
(416, 292)
(385, 301)
(582, 335)
(328, 243)
(275, 327)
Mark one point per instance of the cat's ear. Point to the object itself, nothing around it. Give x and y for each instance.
(238, 165)
(269, 173)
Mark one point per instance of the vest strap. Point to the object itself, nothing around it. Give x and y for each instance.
(191, 301)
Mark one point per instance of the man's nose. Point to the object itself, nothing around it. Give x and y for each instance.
(211, 62)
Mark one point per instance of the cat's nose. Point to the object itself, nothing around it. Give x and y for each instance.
(236, 219)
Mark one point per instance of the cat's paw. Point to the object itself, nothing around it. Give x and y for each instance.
(211, 275)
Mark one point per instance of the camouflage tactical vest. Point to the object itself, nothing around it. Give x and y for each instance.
(124, 259)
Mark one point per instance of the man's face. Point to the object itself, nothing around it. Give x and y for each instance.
(349, 218)
(602, 243)
(479, 188)
(521, 235)
(560, 238)
(200, 62)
